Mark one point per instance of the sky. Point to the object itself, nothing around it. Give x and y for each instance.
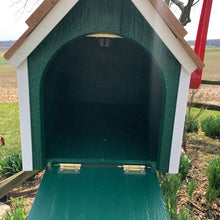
(12, 25)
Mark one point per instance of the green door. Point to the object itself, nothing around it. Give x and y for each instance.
(99, 193)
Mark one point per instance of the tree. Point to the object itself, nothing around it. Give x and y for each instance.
(184, 8)
(22, 6)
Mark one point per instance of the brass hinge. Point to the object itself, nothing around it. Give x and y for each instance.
(134, 169)
(69, 168)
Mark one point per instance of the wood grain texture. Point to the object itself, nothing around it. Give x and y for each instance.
(99, 193)
(169, 18)
(132, 26)
(192, 54)
(10, 183)
(32, 22)
(177, 29)
(162, 9)
(17, 44)
(40, 13)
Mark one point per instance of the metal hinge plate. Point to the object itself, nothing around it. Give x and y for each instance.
(69, 168)
(134, 169)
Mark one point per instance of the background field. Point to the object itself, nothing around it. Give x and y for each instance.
(210, 93)
(9, 113)
(207, 93)
(201, 148)
(9, 128)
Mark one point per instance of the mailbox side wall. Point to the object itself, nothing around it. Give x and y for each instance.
(95, 16)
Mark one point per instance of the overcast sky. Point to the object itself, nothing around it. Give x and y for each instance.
(12, 26)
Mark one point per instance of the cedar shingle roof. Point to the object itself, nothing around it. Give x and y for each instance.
(171, 21)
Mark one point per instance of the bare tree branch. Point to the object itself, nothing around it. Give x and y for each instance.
(179, 4)
(196, 2)
(168, 2)
(185, 9)
(22, 6)
(185, 16)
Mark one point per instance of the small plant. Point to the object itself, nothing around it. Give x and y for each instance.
(10, 165)
(211, 126)
(191, 187)
(185, 214)
(170, 185)
(213, 174)
(192, 124)
(19, 210)
(185, 164)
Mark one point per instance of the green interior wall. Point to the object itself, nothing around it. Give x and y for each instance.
(102, 104)
(101, 16)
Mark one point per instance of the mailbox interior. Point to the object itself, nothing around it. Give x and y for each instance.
(102, 101)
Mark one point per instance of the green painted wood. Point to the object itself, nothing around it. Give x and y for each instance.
(103, 96)
(99, 193)
(122, 18)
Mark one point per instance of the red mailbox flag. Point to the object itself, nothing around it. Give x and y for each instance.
(200, 43)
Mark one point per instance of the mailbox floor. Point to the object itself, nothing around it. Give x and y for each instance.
(99, 193)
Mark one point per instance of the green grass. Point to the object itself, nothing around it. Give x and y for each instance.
(9, 128)
(7, 69)
(212, 53)
(3, 60)
(212, 49)
(205, 113)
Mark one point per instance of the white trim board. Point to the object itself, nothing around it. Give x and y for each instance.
(63, 7)
(165, 34)
(179, 121)
(25, 116)
(41, 31)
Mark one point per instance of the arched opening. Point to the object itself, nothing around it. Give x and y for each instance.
(102, 101)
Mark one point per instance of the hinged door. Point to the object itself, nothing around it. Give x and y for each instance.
(99, 193)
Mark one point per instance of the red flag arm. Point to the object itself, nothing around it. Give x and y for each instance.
(200, 43)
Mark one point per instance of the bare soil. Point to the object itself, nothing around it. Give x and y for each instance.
(201, 148)
(8, 84)
(207, 93)
(210, 93)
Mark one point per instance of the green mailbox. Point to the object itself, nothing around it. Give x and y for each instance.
(103, 89)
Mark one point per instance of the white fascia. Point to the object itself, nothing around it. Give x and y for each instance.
(25, 116)
(64, 6)
(160, 27)
(41, 31)
(179, 121)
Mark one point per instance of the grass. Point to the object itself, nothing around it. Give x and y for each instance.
(212, 49)
(205, 113)
(7, 69)
(9, 128)
(212, 53)
(3, 60)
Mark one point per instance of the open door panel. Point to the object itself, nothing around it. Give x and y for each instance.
(99, 193)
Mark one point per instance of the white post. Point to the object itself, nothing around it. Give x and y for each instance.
(25, 116)
(179, 121)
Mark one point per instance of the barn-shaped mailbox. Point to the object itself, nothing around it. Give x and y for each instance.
(102, 84)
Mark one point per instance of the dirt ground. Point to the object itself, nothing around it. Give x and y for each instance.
(201, 149)
(206, 94)
(8, 84)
